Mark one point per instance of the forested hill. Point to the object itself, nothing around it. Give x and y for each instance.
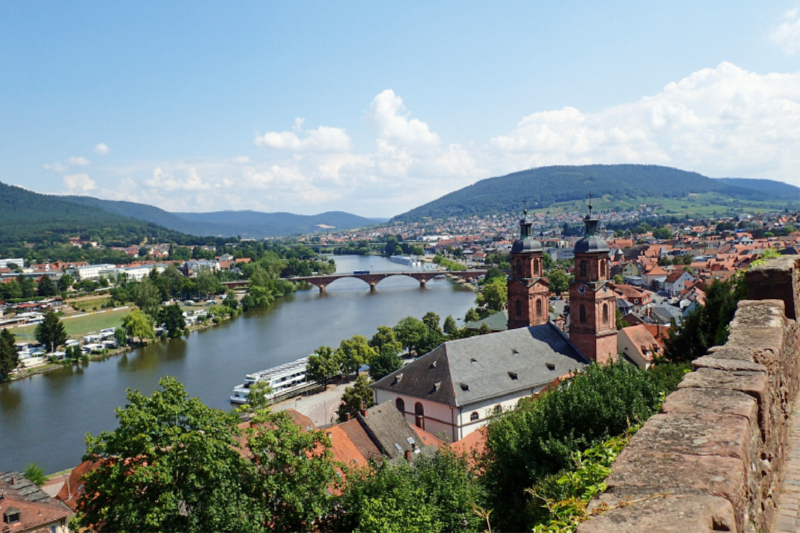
(248, 224)
(546, 186)
(36, 218)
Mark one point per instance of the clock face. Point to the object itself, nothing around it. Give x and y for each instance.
(582, 289)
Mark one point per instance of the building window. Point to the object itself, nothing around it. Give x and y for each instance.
(419, 411)
(583, 269)
(401, 405)
(474, 416)
(536, 268)
(582, 310)
(519, 308)
(538, 307)
(519, 268)
(605, 313)
(498, 409)
(602, 269)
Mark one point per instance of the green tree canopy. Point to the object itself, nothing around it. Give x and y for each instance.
(171, 317)
(171, 465)
(558, 280)
(494, 295)
(322, 365)
(139, 325)
(147, 296)
(46, 287)
(9, 353)
(354, 352)
(450, 326)
(410, 332)
(386, 362)
(385, 336)
(51, 332)
(354, 397)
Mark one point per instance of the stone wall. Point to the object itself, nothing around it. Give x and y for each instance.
(713, 459)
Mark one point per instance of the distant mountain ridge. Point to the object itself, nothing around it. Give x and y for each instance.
(546, 186)
(248, 224)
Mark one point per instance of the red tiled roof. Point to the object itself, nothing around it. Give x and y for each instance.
(73, 487)
(426, 438)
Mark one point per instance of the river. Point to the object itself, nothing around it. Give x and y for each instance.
(44, 418)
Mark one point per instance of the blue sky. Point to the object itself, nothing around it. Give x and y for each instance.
(375, 108)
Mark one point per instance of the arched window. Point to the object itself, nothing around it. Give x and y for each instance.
(583, 269)
(419, 413)
(536, 271)
(519, 308)
(401, 405)
(498, 409)
(602, 269)
(519, 268)
(582, 311)
(605, 313)
(474, 416)
(538, 307)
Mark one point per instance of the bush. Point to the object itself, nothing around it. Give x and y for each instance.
(541, 436)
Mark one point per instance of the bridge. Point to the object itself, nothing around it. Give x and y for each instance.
(374, 278)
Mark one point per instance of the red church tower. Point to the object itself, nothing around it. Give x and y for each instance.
(592, 303)
(527, 289)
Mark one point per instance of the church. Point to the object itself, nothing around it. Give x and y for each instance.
(454, 389)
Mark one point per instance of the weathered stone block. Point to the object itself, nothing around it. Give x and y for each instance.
(668, 514)
(776, 279)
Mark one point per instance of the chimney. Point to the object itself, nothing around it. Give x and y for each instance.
(408, 456)
(364, 409)
(347, 417)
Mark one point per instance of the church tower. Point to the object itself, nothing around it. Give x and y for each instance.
(592, 303)
(527, 289)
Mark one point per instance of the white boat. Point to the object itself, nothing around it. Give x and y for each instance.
(282, 380)
(404, 260)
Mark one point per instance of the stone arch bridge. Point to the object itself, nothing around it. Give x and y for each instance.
(374, 278)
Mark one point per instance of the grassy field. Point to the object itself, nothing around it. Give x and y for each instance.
(78, 327)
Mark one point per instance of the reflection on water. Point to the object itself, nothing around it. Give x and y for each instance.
(45, 418)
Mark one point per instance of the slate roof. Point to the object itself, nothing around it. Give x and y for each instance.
(496, 322)
(361, 439)
(470, 370)
(22, 487)
(388, 427)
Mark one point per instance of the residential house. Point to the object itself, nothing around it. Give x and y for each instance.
(639, 345)
(26, 508)
(676, 281)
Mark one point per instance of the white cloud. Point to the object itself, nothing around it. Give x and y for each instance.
(787, 34)
(387, 114)
(101, 149)
(722, 121)
(79, 183)
(57, 167)
(322, 139)
(77, 161)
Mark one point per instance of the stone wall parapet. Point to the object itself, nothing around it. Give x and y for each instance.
(713, 458)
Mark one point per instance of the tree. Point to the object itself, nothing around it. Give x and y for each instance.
(207, 283)
(472, 315)
(121, 336)
(65, 282)
(139, 325)
(431, 494)
(558, 280)
(355, 397)
(385, 337)
(410, 332)
(450, 326)
(386, 362)
(618, 279)
(354, 352)
(431, 321)
(28, 289)
(51, 332)
(662, 233)
(147, 297)
(323, 365)
(258, 398)
(484, 329)
(494, 295)
(171, 317)
(9, 353)
(620, 320)
(171, 465)
(35, 474)
(294, 470)
(46, 287)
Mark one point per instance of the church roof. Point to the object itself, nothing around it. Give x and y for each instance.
(471, 370)
(591, 243)
(496, 322)
(526, 245)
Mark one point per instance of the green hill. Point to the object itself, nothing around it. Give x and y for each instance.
(33, 217)
(616, 186)
(248, 224)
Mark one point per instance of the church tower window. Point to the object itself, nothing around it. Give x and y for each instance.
(583, 269)
(519, 308)
(582, 313)
(538, 307)
(602, 269)
(605, 313)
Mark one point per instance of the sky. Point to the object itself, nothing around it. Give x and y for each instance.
(377, 107)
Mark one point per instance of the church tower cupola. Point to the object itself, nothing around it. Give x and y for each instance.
(592, 303)
(527, 289)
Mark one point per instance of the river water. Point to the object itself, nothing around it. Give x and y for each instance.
(44, 418)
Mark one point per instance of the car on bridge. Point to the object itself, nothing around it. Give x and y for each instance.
(360, 272)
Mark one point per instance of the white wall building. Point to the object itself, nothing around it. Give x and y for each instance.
(456, 388)
(89, 272)
(5, 262)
